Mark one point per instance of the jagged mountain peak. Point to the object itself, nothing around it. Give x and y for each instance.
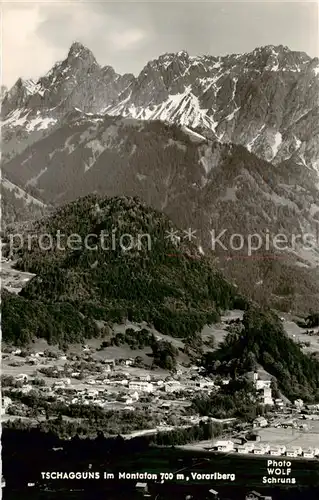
(78, 50)
(264, 58)
(79, 60)
(108, 70)
(271, 48)
(283, 57)
(18, 96)
(77, 47)
(23, 84)
(182, 53)
(164, 60)
(18, 83)
(278, 49)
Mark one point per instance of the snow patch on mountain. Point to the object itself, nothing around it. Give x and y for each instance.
(195, 137)
(17, 118)
(183, 107)
(209, 82)
(302, 159)
(276, 145)
(231, 116)
(40, 123)
(315, 166)
(234, 88)
(22, 118)
(31, 86)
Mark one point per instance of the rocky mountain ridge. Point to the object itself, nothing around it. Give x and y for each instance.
(266, 100)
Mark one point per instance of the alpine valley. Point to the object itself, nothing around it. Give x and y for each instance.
(229, 144)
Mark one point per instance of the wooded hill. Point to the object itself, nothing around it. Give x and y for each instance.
(263, 341)
(167, 283)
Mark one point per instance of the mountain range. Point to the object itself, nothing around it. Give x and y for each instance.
(224, 143)
(266, 100)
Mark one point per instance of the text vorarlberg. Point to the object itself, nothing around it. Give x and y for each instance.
(162, 476)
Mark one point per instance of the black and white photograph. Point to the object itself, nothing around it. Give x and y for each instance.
(159, 250)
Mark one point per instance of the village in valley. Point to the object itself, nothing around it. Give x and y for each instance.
(87, 376)
(133, 396)
(159, 250)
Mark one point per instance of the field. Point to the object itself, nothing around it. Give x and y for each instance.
(292, 437)
(33, 371)
(298, 335)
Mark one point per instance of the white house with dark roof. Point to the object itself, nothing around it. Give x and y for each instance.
(260, 422)
(224, 446)
(309, 453)
(291, 452)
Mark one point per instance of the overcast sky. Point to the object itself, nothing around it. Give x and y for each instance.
(126, 35)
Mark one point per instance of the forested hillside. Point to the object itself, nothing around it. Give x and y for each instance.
(172, 287)
(262, 341)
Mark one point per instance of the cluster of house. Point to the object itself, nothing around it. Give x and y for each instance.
(265, 449)
(144, 384)
(35, 357)
(64, 376)
(262, 383)
(24, 379)
(260, 422)
(127, 388)
(299, 404)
